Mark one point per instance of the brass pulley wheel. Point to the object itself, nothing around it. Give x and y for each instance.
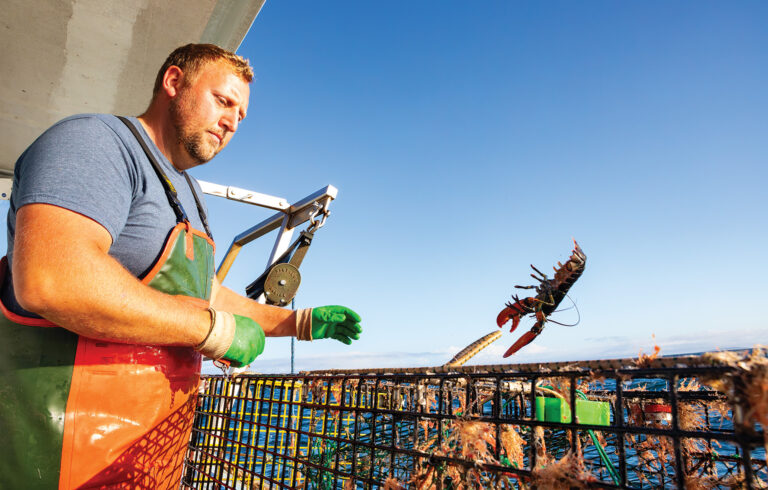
(282, 283)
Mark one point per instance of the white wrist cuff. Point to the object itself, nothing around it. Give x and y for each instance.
(304, 324)
(220, 336)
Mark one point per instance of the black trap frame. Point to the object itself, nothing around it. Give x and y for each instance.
(682, 422)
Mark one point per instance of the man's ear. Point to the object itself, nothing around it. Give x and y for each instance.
(173, 79)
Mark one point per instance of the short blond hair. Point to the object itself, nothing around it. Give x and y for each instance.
(192, 57)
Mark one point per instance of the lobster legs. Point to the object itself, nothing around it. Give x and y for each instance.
(549, 294)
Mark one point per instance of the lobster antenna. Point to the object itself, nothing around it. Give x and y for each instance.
(562, 324)
(559, 310)
(577, 313)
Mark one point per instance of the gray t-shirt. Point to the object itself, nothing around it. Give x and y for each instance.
(93, 165)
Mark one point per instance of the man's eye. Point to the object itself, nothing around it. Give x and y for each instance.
(222, 100)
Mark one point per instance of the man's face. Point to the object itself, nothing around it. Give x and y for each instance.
(207, 111)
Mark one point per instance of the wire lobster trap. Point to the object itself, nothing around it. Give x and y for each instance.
(685, 422)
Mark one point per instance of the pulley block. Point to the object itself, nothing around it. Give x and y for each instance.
(281, 284)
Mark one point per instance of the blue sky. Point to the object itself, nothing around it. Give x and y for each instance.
(469, 140)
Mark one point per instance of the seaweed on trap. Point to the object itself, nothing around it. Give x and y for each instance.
(692, 422)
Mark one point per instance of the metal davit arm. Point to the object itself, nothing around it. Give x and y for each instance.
(287, 218)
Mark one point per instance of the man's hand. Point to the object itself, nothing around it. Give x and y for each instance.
(234, 338)
(328, 322)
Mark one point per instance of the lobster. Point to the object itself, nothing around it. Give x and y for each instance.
(549, 294)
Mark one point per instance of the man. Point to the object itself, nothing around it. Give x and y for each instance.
(109, 295)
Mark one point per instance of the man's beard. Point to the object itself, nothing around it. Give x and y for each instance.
(192, 141)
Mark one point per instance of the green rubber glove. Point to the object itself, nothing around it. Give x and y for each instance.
(247, 344)
(335, 322)
(234, 338)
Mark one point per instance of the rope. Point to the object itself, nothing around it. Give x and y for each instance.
(293, 339)
(469, 351)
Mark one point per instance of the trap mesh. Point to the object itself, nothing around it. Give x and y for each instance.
(674, 423)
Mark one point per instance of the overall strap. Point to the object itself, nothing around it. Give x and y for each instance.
(200, 210)
(170, 189)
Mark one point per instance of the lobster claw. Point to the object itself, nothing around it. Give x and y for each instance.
(509, 313)
(514, 311)
(526, 339)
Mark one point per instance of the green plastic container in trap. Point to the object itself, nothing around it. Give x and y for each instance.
(549, 409)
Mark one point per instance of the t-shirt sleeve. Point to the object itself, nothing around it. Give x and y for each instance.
(79, 164)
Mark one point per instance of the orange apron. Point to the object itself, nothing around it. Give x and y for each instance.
(82, 413)
(131, 407)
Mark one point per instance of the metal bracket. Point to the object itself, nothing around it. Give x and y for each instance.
(244, 196)
(286, 219)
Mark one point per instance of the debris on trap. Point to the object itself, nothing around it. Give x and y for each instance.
(655, 422)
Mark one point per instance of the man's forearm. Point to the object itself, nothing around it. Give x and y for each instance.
(276, 321)
(73, 282)
(108, 303)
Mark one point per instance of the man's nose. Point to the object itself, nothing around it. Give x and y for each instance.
(230, 120)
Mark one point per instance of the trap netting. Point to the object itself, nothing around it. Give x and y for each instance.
(692, 422)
